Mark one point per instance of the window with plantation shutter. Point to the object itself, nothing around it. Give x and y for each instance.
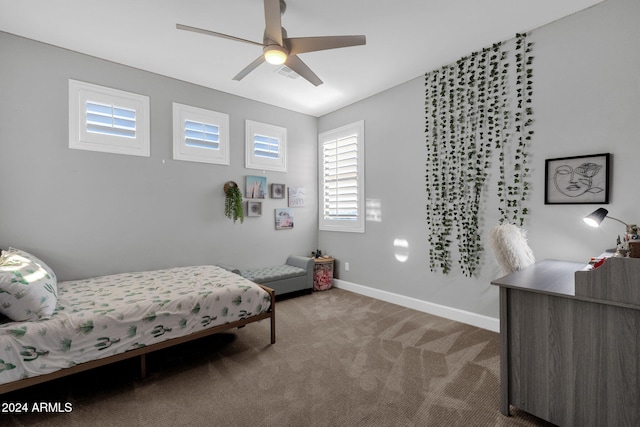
(200, 135)
(341, 178)
(341, 157)
(265, 146)
(108, 120)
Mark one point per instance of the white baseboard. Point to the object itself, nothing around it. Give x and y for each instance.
(484, 322)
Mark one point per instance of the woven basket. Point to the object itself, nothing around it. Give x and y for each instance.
(228, 185)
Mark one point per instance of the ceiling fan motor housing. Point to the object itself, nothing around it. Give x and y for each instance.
(275, 54)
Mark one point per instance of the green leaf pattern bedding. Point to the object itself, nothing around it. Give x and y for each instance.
(107, 315)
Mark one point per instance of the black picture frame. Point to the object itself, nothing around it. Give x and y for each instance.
(577, 180)
(277, 191)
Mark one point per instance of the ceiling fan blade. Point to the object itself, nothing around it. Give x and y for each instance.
(273, 21)
(213, 33)
(249, 68)
(312, 44)
(302, 69)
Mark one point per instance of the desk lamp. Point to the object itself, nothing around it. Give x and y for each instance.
(596, 217)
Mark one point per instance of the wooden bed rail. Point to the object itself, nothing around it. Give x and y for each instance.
(143, 351)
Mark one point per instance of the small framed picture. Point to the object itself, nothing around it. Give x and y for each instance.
(284, 219)
(277, 191)
(577, 180)
(256, 187)
(254, 208)
(296, 197)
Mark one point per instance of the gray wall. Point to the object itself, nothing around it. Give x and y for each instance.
(87, 213)
(586, 101)
(92, 213)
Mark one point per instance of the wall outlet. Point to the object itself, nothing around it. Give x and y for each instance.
(346, 266)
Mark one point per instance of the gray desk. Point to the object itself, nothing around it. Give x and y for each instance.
(569, 352)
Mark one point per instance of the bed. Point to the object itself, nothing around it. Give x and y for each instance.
(50, 329)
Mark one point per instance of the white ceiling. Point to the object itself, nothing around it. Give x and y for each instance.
(405, 38)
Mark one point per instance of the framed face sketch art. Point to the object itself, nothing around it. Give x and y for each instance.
(576, 180)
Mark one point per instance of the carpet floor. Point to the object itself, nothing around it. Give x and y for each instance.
(341, 359)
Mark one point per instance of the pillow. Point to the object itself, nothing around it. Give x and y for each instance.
(509, 245)
(28, 287)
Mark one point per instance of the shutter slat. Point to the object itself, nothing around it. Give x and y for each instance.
(340, 164)
(266, 146)
(110, 120)
(201, 135)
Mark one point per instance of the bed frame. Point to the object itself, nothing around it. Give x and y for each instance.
(142, 352)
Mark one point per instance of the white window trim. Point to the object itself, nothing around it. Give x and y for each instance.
(353, 226)
(181, 151)
(255, 162)
(81, 139)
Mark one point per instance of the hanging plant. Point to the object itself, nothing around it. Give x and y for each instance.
(436, 127)
(526, 134)
(467, 118)
(233, 202)
(513, 191)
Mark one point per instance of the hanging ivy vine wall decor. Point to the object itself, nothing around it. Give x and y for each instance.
(470, 115)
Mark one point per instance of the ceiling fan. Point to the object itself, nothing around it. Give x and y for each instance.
(280, 49)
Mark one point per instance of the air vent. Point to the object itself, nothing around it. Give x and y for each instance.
(287, 72)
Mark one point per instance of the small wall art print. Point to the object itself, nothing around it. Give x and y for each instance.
(296, 197)
(254, 208)
(284, 219)
(277, 191)
(577, 180)
(256, 187)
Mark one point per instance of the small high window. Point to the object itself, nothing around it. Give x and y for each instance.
(265, 146)
(200, 135)
(108, 120)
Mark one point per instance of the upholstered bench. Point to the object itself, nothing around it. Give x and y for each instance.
(296, 275)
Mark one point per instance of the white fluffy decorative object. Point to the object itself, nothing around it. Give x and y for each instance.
(509, 245)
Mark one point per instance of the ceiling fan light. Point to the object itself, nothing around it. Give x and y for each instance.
(275, 54)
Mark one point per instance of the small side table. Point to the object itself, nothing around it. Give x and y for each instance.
(322, 274)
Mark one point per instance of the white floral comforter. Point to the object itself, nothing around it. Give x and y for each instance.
(103, 316)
